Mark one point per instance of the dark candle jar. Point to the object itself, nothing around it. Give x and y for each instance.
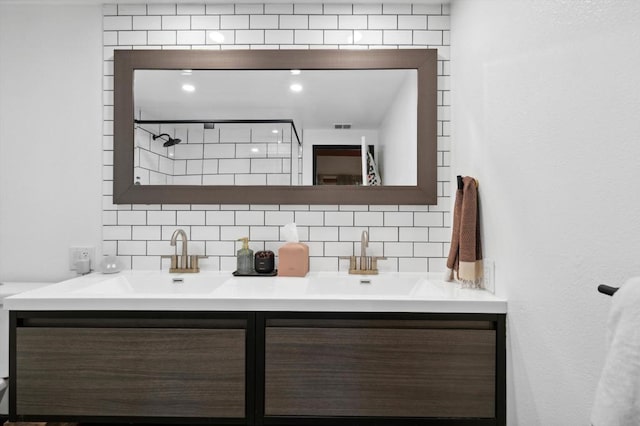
(264, 262)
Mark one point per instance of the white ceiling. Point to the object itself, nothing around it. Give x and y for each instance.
(357, 97)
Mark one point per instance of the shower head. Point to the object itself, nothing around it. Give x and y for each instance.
(169, 142)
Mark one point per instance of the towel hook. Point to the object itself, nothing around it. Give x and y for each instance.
(608, 290)
(461, 184)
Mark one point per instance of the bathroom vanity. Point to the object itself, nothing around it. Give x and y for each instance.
(327, 349)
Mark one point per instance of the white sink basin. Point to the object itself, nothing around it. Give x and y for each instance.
(321, 286)
(152, 284)
(388, 285)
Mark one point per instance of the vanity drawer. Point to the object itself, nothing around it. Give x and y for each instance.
(380, 368)
(142, 372)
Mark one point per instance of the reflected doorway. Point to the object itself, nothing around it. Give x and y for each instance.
(338, 164)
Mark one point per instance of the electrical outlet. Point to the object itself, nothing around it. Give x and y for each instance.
(489, 273)
(77, 253)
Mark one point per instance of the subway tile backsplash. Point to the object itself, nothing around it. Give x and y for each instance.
(414, 238)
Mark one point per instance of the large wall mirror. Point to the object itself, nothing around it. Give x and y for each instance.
(210, 127)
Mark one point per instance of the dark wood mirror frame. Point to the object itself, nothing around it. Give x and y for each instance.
(127, 61)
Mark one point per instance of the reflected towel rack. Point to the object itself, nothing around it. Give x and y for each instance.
(606, 289)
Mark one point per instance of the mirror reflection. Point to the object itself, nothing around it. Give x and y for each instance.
(216, 154)
(266, 127)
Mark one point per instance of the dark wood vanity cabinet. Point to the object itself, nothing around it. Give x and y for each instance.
(263, 368)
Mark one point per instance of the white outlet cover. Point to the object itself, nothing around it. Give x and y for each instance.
(75, 253)
(488, 275)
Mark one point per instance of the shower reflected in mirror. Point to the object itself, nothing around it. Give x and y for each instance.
(167, 143)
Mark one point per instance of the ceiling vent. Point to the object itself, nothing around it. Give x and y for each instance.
(342, 126)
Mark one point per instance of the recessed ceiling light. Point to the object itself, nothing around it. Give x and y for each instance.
(216, 37)
(295, 72)
(295, 87)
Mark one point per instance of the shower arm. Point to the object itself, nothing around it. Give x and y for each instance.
(170, 141)
(161, 135)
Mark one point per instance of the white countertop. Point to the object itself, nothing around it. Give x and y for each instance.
(220, 291)
(11, 288)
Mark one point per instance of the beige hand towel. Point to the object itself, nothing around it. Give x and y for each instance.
(465, 255)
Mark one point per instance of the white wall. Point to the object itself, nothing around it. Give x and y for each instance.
(545, 115)
(50, 81)
(50, 137)
(398, 137)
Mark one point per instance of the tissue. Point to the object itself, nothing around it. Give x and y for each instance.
(293, 256)
(290, 233)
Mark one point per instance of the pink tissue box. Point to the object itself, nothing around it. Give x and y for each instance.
(293, 260)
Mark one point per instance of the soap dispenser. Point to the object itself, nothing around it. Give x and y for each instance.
(245, 258)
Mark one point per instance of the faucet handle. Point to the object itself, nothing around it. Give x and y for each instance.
(194, 262)
(352, 261)
(174, 260)
(374, 261)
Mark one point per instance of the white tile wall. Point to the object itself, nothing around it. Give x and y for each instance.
(256, 155)
(415, 238)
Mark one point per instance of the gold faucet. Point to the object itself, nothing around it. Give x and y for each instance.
(182, 263)
(368, 264)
